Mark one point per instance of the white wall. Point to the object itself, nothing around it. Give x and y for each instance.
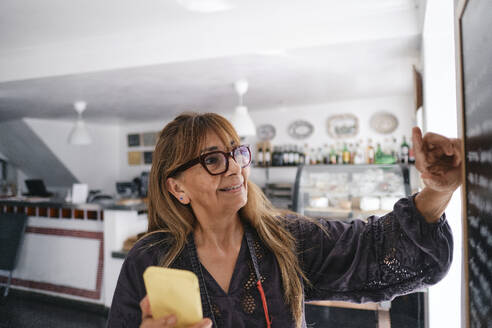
(280, 118)
(96, 164)
(440, 115)
(317, 115)
(105, 161)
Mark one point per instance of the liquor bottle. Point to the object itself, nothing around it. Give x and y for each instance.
(378, 158)
(276, 160)
(291, 155)
(352, 152)
(285, 155)
(345, 154)
(359, 156)
(312, 156)
(339, 153)
(369, 152)
(267, 157)
(319, 156)
(386, 146)
(411, 155)
(302, 156)
(404, 150)
(394, 150)
(259, 157)
(305, 156)
(326, 154)
(297, 155)
(333, 155)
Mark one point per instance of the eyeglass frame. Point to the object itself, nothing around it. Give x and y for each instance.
(201, 160)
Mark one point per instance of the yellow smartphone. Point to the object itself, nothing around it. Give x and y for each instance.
(173, 291)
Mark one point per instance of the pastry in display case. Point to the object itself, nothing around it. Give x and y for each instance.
(350, 191)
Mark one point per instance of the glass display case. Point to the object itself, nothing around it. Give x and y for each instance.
(350, 191)
(346, 192)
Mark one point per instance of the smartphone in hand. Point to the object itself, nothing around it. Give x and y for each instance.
(173, 291)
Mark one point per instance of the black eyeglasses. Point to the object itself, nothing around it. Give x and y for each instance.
(217, 162)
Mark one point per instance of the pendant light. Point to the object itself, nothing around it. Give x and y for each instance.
(79, 134)
(241, 120)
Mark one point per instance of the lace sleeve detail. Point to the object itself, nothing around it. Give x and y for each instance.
(374, 261)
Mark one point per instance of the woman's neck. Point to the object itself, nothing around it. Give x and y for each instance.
(220, 232)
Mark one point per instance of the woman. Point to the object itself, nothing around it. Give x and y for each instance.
(257, 265)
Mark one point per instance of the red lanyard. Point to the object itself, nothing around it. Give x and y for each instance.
(265, 305)
(254, 259)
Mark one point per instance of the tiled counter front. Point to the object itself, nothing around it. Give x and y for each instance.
(63, 251)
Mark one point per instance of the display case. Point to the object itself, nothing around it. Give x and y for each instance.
(346, 192)
(350, 191)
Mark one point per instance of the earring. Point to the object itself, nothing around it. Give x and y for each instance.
(180, 198)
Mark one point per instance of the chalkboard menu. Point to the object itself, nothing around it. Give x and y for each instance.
(475, 31)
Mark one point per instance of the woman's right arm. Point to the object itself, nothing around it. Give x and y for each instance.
(374, 261)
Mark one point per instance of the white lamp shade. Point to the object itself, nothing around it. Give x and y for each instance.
(79, 134)
(242, 122)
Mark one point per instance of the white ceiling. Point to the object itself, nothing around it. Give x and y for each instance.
(148, 60)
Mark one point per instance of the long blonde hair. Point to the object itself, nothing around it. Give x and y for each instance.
(180, 141)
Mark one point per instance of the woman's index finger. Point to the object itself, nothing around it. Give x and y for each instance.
(457, 151)
(417, 140)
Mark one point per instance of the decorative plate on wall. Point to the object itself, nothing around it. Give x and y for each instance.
(265, 132)
(343, 126)
(383, 122)
(300, 129)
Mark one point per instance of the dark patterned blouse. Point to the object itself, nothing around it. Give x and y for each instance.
(357, 261)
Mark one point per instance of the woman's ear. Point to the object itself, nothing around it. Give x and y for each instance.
(174, 187)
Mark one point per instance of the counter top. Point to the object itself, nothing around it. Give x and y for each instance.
(119, 254)
(60, 203)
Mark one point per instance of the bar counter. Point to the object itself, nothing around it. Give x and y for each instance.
(66, 250)
(27, 205)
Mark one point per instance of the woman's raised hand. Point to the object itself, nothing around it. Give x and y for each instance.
(164, 322)
(438, 159)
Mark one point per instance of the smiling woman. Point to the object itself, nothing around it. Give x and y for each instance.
(256, 265)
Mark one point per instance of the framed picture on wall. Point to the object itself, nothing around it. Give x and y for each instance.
(134, 157)
(134, 140)
(147, 157)
(149, 139)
